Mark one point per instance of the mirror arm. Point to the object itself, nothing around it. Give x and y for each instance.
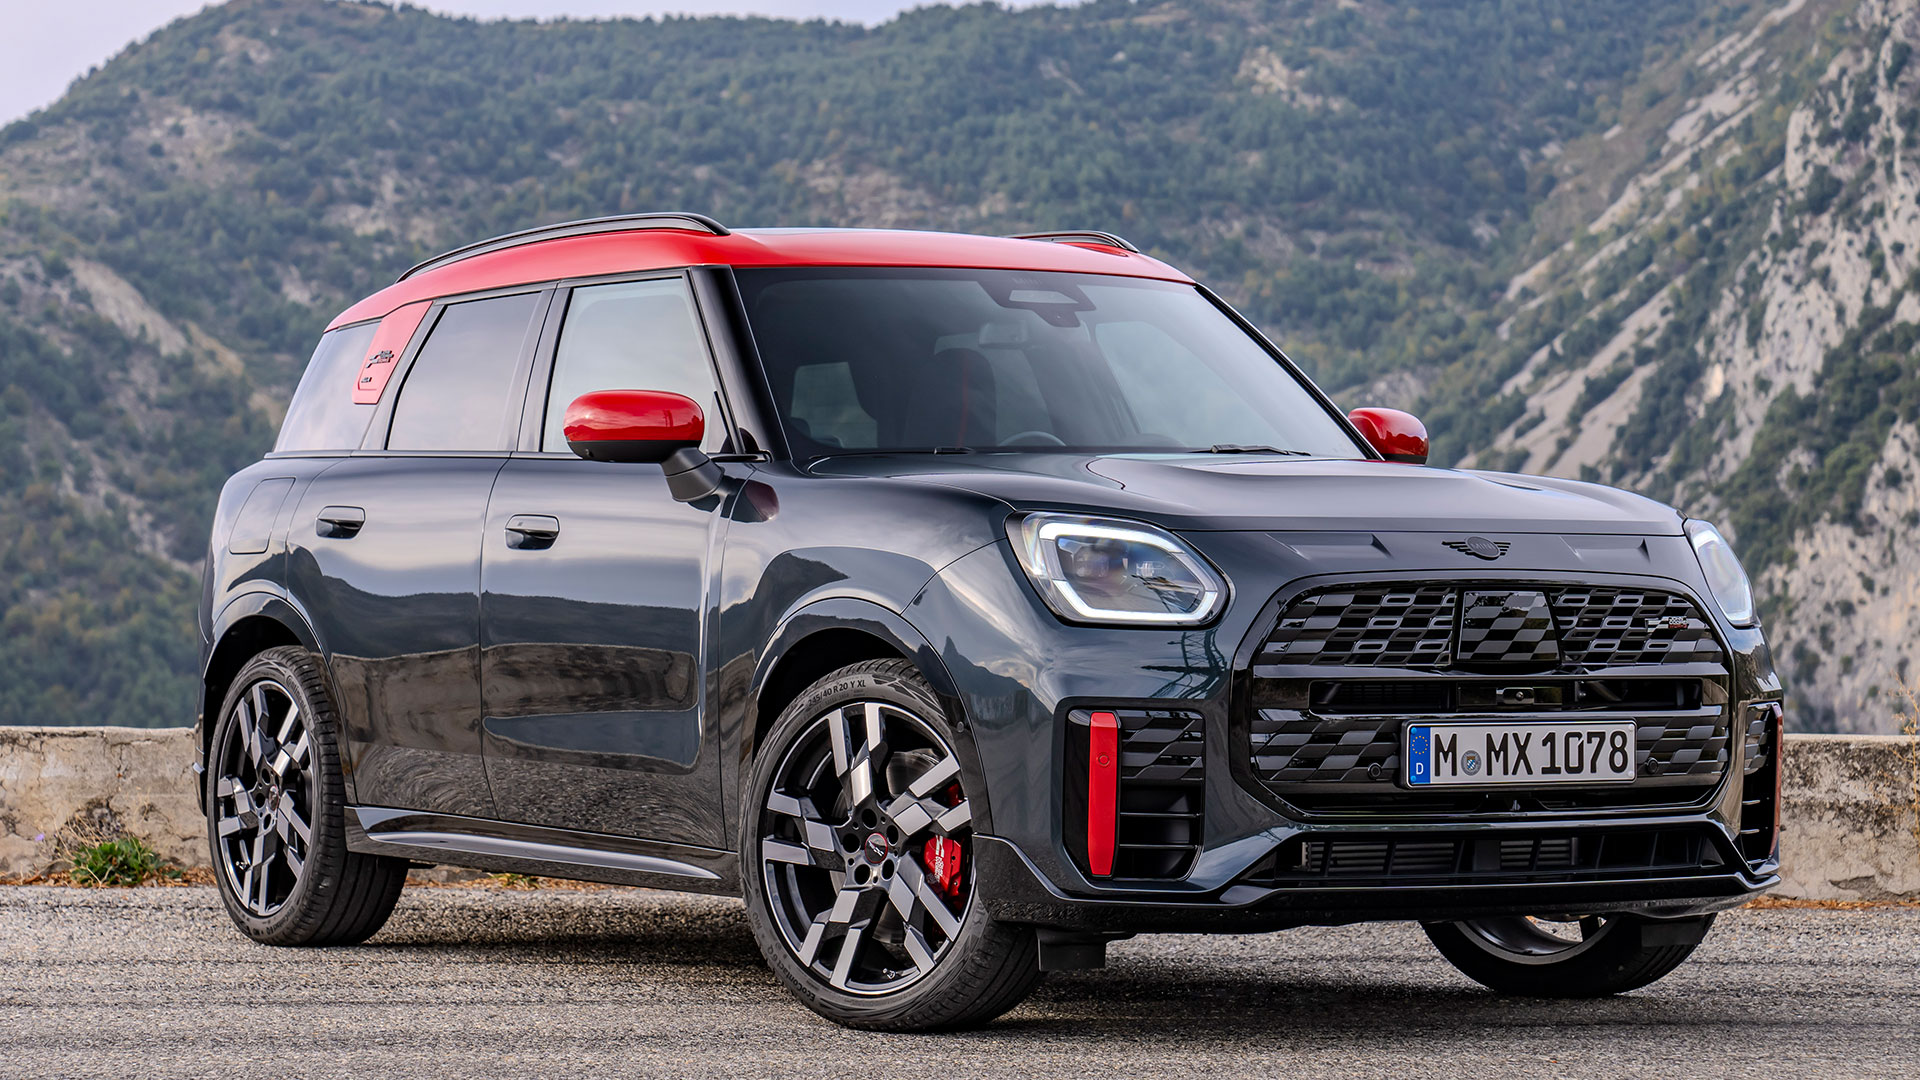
(691, 475)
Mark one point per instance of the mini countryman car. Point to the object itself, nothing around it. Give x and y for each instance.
(963, 603)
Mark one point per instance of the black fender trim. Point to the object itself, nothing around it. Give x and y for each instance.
(257, 603)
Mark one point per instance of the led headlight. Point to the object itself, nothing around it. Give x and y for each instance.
(1100, 570)
(1725, 578)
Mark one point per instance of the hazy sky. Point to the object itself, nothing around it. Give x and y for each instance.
(49, 43)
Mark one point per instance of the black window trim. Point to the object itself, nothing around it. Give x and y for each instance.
(540, 377)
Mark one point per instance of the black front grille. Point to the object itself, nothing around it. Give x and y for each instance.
(1525, 626)
(1346, 667)
(1161, 800)
(1336, 860)
(1373, 627)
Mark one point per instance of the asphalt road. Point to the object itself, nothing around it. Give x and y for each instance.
(493, 983)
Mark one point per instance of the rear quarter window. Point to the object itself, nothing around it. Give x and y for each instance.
(322, 415)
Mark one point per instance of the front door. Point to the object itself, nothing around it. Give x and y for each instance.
(593, 595)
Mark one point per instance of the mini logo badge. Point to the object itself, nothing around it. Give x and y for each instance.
(877, 847)
(1480, 547)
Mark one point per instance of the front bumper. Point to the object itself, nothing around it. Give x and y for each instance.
(1025, 678)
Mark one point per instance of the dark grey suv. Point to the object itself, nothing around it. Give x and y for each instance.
(964, 603)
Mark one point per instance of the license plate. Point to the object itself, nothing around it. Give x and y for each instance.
(1534, 753)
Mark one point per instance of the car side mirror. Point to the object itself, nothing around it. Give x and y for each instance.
(633, 425)
(1398, 436)
(646, 426)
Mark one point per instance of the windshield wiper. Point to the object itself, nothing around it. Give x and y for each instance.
(1245, 448)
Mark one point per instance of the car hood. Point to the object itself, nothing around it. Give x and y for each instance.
(1197, 492)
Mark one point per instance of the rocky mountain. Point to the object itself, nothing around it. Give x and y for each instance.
(1726, 318)
(1658, 242)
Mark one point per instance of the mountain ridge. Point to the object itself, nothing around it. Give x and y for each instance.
(1409, 200)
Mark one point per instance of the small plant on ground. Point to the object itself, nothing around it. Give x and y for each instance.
(126, 861)
(515, 881)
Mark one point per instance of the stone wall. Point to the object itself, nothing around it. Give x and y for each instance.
(79, 781)
(1852, 828)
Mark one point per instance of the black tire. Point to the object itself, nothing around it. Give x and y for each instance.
(276, 813)
(967, 969)
(1612, 955)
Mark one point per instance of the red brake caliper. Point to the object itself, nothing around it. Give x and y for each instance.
(942, 855)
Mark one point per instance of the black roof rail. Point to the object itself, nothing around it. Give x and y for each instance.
(1081, 236)
(583, 227)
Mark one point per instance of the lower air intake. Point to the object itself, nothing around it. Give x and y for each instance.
(1425, 859)
(1159, 806)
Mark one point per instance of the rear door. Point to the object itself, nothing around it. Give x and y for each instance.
(593, 590)
(386, 556)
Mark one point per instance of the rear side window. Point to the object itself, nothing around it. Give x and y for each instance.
(323, 415)
(461, 387)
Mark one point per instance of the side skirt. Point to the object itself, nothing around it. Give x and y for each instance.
(508, 847)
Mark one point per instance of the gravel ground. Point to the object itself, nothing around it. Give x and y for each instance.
(490, 982)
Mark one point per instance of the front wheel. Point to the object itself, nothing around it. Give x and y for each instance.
(1585, 957)
(856, 852)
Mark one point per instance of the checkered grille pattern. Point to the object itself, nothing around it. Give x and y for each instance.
(1414, 626)
(1367, 627)
(1754, 755)
(1621, 627)
(1299, 748)
(1162, 747)
(1507, 628)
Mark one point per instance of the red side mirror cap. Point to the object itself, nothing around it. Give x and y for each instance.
(633, 425)
(1396, 435)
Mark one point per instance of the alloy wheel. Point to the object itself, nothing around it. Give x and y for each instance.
(866, 848)
(264, 795)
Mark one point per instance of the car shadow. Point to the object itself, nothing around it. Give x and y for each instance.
(1296, 983)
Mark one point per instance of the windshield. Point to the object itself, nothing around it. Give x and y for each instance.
(877, 360)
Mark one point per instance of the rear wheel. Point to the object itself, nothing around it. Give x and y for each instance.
(1592, 956)
(276, 810)
(856, 853)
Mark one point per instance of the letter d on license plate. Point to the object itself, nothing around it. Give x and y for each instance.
(1534, 753)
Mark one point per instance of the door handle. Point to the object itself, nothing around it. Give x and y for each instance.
(532, 531)
(340, 522)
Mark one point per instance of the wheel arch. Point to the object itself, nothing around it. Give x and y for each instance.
(244, 629)
(826, 636)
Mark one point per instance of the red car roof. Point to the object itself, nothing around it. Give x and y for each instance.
(659, 249)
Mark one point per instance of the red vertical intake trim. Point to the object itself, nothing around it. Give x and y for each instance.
(1103, 791)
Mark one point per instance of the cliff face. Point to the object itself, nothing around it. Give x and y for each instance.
(1739, 309)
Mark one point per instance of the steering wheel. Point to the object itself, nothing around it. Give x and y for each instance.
(1043, 437)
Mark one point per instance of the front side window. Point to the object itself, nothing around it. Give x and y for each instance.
(866, 360)
(631, 335)
(322, 415)
(461, 387)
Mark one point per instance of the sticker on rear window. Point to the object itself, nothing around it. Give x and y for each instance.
(384, 353)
